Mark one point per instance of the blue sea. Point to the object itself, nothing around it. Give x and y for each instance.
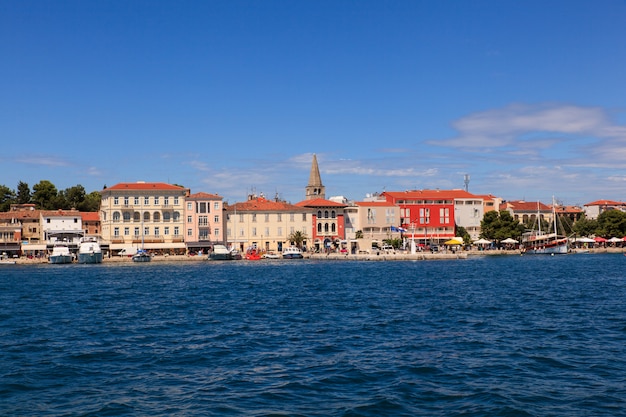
(484, 336)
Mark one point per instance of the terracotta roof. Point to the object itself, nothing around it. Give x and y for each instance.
(144, 186)
(319, 202)
(261, 204)
(204, 196)
(25, 214)
(430, 194)
(90, 216)
(525, 206)
(605, 203)
(568, 209)
(374, 204)
(60, 213)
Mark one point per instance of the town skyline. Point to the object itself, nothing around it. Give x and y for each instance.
(235, 98)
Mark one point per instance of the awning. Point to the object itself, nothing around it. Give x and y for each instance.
(9, 246)
(452, 242)
(36, 246)
(173, 245)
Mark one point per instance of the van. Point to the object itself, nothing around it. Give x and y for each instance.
(127, 251)
(388, 248)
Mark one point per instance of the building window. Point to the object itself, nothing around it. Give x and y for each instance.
(116, 216)
(325, 227)
(189, 219)
(201, 208)
(116, 200)
(136, 201)
(125, 201)
(319, 228)
(216, 205)
(216, 219)
(444, 215)
(166, 201)
(267, 231)
(146, 201)
(216, 231)
(136, 231)
(126, 216)
(116, 231)
(166, 230)
(189, 232)
(325, 214)
(156, 201)
(127, 231)
(267, 217)
(333, 214)
(319, 214)
(203, 234)
(176, 216)
(303, 217)
(254, 217)
(146, 217)
(146, 231)
(333, 227)
(254, 231)
(156, 231)
(189, 206)
(176, 232)
(166, 216)
(175, 201)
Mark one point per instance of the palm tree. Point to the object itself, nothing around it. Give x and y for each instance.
(297, 237)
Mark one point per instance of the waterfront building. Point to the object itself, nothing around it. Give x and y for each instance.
(595, 208)
(327, 226)
(61, 226)
(205, 221)
(265, 224)
(144, 213)
(10, 237)
(91, 223)
(378, 221)
(526, 211)
(430, 216)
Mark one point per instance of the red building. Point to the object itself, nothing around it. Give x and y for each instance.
(427, 215)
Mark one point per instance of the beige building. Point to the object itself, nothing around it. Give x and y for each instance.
(205, 221)
(144, 213)
(265, 224)
(375, 219)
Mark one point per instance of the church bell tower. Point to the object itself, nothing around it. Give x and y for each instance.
(315, 188)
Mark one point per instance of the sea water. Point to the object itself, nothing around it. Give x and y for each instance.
(485, 336)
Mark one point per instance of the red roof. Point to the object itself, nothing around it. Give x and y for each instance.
(60, 213)
(261, 204)
(605, 203)
(90, 216)
(144, 186)
(525, 206)
(204, 196)
(429, 194)
(374, 204)
(319, 202)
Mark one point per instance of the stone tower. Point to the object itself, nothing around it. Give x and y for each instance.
(315, 188)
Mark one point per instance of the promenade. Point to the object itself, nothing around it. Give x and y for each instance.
(397, 256)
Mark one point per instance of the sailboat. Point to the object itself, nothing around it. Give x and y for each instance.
(142, 255)
(537, 242)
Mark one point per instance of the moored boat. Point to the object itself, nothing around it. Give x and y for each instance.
(292, 252)
(252, 254)
(61, 254)
(141, 256)
(89, 251)
(220, 253)
(537, 242)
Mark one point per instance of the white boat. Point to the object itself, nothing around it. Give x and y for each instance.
(270, 255)
(89, 251)
(141, 256)
(60, 254)
(220, 253)
(537, 242)
(292, 252)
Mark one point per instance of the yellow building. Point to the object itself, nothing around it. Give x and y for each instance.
(148, 214)
(265, 224)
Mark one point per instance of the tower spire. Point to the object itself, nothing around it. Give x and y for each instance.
(315, 188)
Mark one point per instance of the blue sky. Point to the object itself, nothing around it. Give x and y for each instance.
(527, 97)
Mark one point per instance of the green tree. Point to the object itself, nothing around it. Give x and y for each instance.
(462, 232)
(585, 226)
(500, 225)
(91, 202)
(7, 197)
(23, 193)
(45, 195)
(74, 196)
(611, 223)
(297, 237)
